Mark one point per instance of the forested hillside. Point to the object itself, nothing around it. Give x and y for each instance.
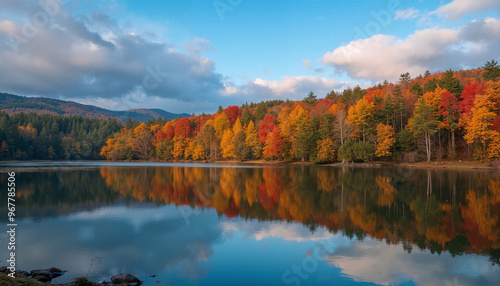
(447, 115)
(53, 137)
(13, 104)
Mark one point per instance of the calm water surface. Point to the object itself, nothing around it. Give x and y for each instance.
(208, 224)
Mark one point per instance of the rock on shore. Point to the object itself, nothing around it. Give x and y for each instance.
(46, 276)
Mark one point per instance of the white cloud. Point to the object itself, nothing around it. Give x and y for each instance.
(289, 232)
(376, 262)
(289, 87)
(293, 85)
(410, 13)
(229, 90)
(457, 8)
(386, 57)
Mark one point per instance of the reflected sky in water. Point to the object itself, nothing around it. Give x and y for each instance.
(182, 245)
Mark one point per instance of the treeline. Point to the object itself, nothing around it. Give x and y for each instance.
(53, 137)
(433, 116)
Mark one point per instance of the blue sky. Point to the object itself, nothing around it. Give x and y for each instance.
(191, 56)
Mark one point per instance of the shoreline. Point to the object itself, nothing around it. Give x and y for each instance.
(460, 165)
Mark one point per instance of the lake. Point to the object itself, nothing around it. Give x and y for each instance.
(216, 224)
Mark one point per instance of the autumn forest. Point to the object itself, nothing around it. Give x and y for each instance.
(447, 115)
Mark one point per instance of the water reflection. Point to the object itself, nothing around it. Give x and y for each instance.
(388, 225)
(425, 209)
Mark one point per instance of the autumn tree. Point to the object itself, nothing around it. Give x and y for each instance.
(266, 127)
(360, 117)
(483, 114)
(207, 138)
(233, 113)
(180, 144)
(252, 140)
(326, 150)
(274, 145)
(448, 108)
(385, 140)
(423, 123)
(241, 151)
(467, 101)
(119, 146)
(199, 152)
(221, 124)
(141, 142)
(341, 129)
(227, 149)
(183, 127)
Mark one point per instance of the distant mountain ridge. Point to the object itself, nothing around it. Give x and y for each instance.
(11, 104)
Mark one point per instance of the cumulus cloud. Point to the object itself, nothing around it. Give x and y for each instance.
(376, 262)
(290, 87)
(49, 52)
(286, 231)
(410, 13)
(457, 8)
(386, 57)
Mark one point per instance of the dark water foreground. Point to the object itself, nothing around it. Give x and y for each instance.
(194, 224)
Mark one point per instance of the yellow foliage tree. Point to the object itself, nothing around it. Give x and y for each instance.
(326, 150)
(237, 127)
(385, 140)
(478, 128)
(252, 139)
(28, 132)
(433, 98)
(360, 117)
(141, 143)
(179, 146)
(228, 150)
(221, 124)
(199, 152)
(190, 148)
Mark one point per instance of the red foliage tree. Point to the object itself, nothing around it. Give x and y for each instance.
(468, 95)
(320, 108)
(170, 132)
(274, 145)
(265, 127)
(159, 137)
(183, 127)
(233, 112)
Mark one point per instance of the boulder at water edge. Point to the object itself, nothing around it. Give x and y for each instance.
(129, 279)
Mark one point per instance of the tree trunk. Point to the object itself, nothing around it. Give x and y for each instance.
(453, 150)
(428, 146)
